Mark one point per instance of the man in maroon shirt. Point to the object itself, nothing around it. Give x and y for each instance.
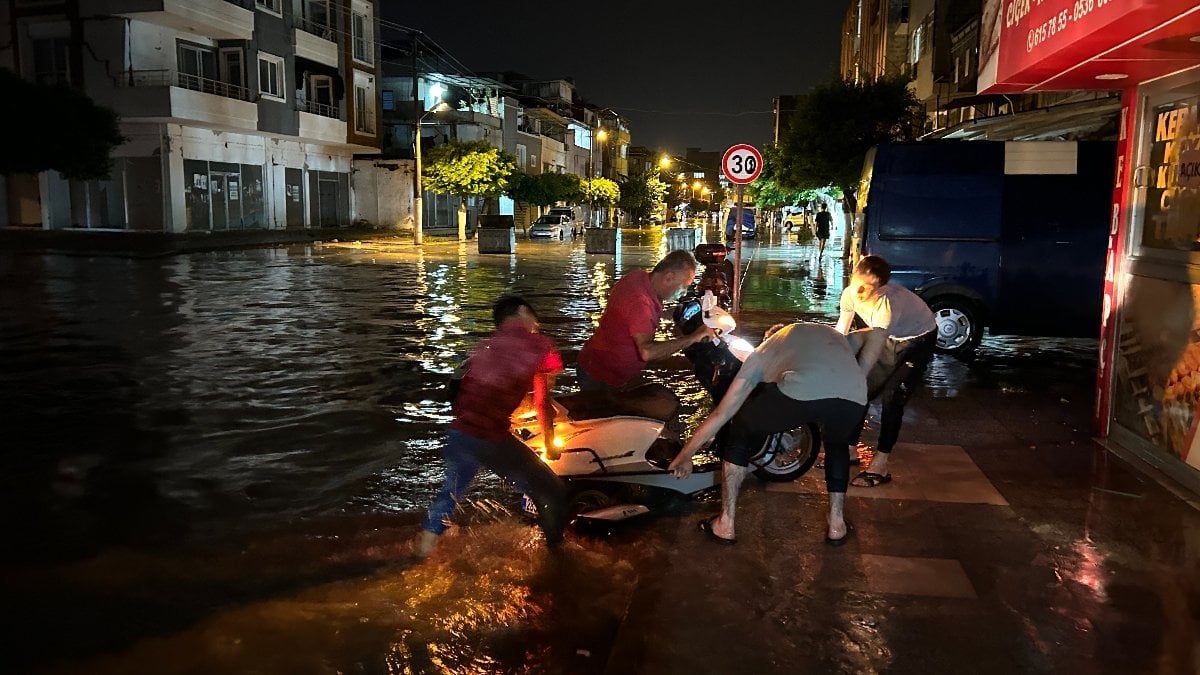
(611, 361)
(499, 373)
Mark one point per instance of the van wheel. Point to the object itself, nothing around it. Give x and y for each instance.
(959, 325)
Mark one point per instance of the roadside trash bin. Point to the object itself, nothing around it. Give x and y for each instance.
(497, 234)
(681, 238)
(601, 240)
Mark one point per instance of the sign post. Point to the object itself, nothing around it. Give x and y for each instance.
(741, 164)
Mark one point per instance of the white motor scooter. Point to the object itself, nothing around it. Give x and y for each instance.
(612, 464)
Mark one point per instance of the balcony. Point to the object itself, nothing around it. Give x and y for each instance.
(316, 42)
(217, 19)
(167, 96)
(320, 122)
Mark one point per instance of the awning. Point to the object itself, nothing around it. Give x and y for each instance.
(1060, 45)
(1067, 121)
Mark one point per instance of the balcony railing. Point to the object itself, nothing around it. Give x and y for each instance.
(322, 109)
(168, 78)
(316, 27)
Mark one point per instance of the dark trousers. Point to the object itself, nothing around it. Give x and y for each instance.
(911, 360)
(769, 411)
(465, 455)
(597, 399)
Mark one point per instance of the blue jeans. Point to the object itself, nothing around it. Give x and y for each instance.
(519, 466)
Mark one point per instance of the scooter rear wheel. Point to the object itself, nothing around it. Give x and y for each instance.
(788, 455)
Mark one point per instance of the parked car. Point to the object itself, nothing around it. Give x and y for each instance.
(749, 226)
(549, 226)
(1011, 236)
(795, 221)
(571, 215)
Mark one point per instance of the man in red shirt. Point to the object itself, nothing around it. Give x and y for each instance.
(612, 360)
(499, 373)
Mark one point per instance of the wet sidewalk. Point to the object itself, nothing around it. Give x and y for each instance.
(1007, 542)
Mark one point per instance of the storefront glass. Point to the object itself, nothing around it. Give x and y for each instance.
(1156, 384)
(1171, 216)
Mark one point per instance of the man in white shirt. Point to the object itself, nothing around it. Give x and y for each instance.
(894, 366)
(802, 373)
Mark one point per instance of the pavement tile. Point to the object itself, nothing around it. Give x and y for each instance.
(939, 473)
(916, 576)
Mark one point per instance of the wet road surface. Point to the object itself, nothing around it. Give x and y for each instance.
(216, 460)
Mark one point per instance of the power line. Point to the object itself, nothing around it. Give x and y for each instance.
(711, 113)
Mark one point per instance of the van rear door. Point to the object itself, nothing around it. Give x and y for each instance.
(1055, 212)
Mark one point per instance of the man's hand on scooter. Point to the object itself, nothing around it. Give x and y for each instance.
(681, 466)
(703, 333)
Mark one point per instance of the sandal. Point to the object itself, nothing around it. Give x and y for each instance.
(706, 528)
(866, 479)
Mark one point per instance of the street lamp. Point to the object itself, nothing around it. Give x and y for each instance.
(599, 138)
(418, 194)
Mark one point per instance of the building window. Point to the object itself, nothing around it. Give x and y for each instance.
(273, 6)
(197, 68)
(522, 156)
(232, 72)
(362, 29)
(315, 18)
(50, 62)
(364, 103)
(389, 99)
(270, 76)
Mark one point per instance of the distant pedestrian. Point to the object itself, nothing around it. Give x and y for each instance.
(897, 348)
(501, 370)
(824, 221)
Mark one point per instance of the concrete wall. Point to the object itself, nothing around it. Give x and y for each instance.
(383, 193)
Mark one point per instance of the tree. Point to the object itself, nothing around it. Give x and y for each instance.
(828, 135)
(600, 191)
(466, 168)
(545, 189)
(57, 128)
(642, 194)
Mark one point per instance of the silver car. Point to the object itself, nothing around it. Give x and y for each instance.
(551, 227)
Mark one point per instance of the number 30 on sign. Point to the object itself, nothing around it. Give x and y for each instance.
(742, 164)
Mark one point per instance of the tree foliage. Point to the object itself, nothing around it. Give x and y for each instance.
(57, 128)
(828, 135)
(642, 194)
(600, 191)
(545, 189)
(465, 168)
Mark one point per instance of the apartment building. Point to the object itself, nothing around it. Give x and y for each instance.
(238, 114)
(935, 46)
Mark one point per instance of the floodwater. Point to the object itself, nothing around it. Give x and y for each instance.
(213, 461)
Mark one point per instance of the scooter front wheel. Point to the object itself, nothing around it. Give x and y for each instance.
(788, 455)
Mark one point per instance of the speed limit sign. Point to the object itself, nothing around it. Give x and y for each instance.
(742, 164)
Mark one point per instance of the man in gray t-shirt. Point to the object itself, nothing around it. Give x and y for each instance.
(802, 373)
(900, 339)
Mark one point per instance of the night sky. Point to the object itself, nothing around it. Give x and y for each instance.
(695, 74)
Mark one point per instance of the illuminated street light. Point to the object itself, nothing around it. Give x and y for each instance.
(418, 205)
(597, 136)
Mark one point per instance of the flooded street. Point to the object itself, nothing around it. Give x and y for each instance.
(214, 461)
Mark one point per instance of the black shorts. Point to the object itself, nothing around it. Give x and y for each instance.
(822, 231)
(769, 411)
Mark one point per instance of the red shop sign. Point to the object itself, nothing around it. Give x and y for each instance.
(1034, 41)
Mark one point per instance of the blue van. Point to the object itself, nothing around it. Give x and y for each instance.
(749, 227)
(1008, 235)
